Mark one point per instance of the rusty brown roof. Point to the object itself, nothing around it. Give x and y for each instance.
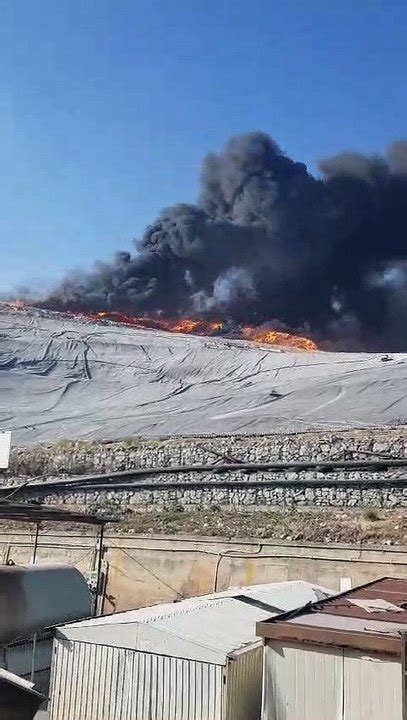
(371, 617)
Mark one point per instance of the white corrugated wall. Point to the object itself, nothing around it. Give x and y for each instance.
(301, 685)
(243, 685)
(310, 683)
(373, 687)
(90, 682)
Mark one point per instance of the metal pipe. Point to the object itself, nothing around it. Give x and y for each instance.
(269, 543)
(47, 489)
(275, 466)
(34, 650)
(34, 555)
(232, 553)
(99, 588)
(272, 542)
(33, 562)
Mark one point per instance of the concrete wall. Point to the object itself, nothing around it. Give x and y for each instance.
(147, 570)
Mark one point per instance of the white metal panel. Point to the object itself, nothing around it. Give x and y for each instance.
(205, 632)
(91, 682)
(287, 595)
(284, 595)
(223, 626)
(5, 444)
(302, 684)
(243, 685)
(86, 680)
(148, 638)
(373, 687)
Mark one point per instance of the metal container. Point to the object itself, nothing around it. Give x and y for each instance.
(39, 596)
(90, 682)
(198, 659)
(308, 681)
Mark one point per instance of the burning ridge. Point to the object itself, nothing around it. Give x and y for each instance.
(268, 243)
(190, 326)
(185, 326)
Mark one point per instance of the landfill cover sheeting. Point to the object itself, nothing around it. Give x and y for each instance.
(66, 378)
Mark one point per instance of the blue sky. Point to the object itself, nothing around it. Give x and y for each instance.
(107, 107)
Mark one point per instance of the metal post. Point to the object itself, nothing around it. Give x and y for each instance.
(33, 562)
(34, 555)
(99, 587)
(33, 657)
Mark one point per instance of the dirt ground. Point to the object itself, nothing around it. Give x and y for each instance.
(368, 526)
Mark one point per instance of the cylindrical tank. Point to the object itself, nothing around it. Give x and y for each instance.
(34, 597)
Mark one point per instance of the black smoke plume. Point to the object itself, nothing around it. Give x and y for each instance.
(269, 243)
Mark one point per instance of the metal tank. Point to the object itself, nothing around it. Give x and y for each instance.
(34, 597)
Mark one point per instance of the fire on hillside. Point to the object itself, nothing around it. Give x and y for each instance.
(189, 326)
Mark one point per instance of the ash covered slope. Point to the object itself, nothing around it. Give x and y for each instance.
(64, 378)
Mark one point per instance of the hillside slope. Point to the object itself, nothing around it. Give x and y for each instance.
(65, 378)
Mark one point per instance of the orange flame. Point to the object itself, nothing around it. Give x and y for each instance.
(196, 327)
(275, 337)
(191, 326)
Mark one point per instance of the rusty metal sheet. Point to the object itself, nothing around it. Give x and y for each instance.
(373, 631)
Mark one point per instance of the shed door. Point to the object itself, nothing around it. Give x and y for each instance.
(243, 685)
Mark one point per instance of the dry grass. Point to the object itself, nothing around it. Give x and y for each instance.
(305, 525)
(371, 514)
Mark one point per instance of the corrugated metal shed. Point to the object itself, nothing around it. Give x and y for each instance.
(198, 659)
(204, 628)
(370, 617)
(339, 658)
(91, 682)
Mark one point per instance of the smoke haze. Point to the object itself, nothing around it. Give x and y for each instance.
(268, 243)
